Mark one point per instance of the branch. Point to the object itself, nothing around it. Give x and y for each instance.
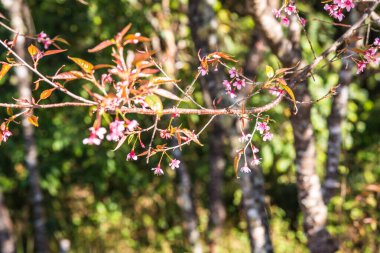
(225, 111)
(47, 80)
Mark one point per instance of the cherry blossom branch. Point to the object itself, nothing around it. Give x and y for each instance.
(34, 70)
(35, 106)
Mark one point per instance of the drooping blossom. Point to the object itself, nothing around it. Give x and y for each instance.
(256, 161)
(267, 136)
(5, 135)
(116, 130)
(361, 66)
(227, 85)
(276, 13)
(158, 171)
(245, 137)
(303, 21)
(96, 136)
(131, 155)
(285, 21)
(202, 70)
(174, 164)
(245, 169)
(231, 93)
(41, 37)
(255, 150)
(376, 42)
(345, 4)
(262, 127)
(233, 72)
(106, 78)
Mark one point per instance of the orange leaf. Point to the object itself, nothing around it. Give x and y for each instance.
(4, 70)
(85, 65)
(236, 162)
(70, 75)
(101, 46)
(33, 51)
(46, 93)
(102, 66)
(33, 120)
(57, 51)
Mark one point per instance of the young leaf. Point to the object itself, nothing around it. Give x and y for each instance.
(101, 46)
(162, 80)
(4, 69)
(121, 141)
(33, 120)
(154, 103)
(56, 51)
(46, 93)
(33, 51)
(167, 94)
(236, 163)
(85, 65)
(70, 75)
(269, 71)
(9, 111)
(191, 136)
(282, 83)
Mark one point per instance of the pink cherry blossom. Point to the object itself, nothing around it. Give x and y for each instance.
(175, 115)
(348, 4)
(165, 134)
(132, 125)
(303, 21)
(376, 42)
(262, 127)
(202, 70)
(361, 66)
(276, 91)
(227, 85)
(285, 21)
(255, 150)
(290, 9)
(5, 135)
(96, 136)
(233, 73)
(116, 130)
(256, 161)
(245, 138)
(267, 136)
(47, 43)
(106, 78)
(239, 83)
(41, 37)
(276, 13)
(174, 164)
(158, 171)
(231, 93)
(245, 169)
(131, 155)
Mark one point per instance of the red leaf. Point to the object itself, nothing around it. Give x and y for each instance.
(70, 75)
(101, 46)
(57, 51)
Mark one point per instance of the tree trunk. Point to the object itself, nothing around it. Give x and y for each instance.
(7, 241)
(309, 187)
(21, 21)
(203, 26)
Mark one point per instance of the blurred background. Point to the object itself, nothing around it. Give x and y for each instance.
(91, 199)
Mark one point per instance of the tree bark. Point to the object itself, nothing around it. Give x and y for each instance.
(309, 187)
(203, 26)
(21, 21)
(7, 240)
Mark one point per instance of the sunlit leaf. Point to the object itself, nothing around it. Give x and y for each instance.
(191, 135)
(9, 111)
(283, 84)
(101, 46)
(154, 103)
(46, 93)
(162, 80)
(33, 51)
(59, 39)
(4, 69)
(102, 66)
(85, 65)
(70, 75)
(166, 93)
(236, 163)
(269, 71)
(56, 51)
(33, 120)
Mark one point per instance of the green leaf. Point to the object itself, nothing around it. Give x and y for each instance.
(283, 84)
(154, 103)
(269, 71)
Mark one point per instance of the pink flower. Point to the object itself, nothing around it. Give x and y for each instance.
(96, 136)
(348, 4)
(116, 130)
(141, 101)
(285, 21)
(174, 164)
(5, 135)
(376, 42)
(361, 66)
(41, 37)
(290, 9)
(256, 161)
(245, 169)
(303, 21)
(233, 73)
(239, 83)
(132, 125)
(267, 136)
(106, 78)
(158, 171)
(262, 127)
(227, 85)
(131, 155)
(276, 91)
(276, 13)
(255, 150)
(245, 138)
(175, 115)
(231, 93)
(165, 134)
(202, 70)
